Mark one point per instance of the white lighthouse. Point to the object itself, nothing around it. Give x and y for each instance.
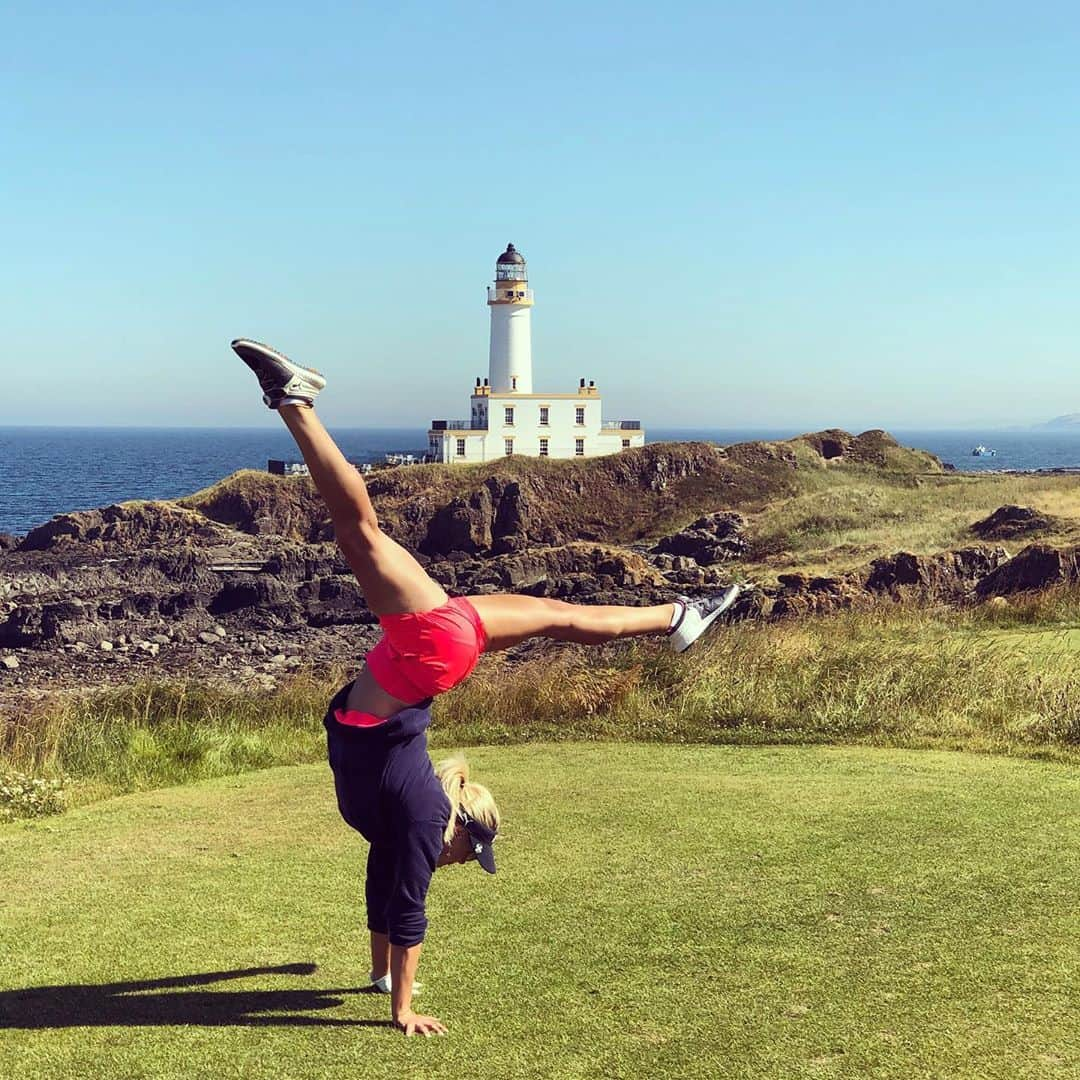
(507, 417)
(510, 301)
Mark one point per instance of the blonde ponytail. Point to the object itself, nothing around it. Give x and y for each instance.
(473, 798)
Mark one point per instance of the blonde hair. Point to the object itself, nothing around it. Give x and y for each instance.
(473, 798)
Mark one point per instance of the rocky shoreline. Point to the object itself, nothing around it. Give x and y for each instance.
(244, 584)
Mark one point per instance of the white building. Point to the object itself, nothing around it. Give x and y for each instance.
(506, 416)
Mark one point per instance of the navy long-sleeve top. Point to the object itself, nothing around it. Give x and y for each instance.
(388, 791)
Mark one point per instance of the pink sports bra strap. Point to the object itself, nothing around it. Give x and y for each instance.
(355, 718)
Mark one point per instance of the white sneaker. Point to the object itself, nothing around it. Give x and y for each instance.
(282, 381)
(697, 616)
(384, 986)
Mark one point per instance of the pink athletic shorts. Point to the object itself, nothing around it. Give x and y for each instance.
(424, 653)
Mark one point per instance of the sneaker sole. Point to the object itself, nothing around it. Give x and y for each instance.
(273, 368)
(711, 618)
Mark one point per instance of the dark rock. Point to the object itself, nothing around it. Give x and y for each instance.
(123, 527)
(793, 582)
(462, 525)
(8, 542)
(512, 513)
(711, 539)
(948, 574)
(1036, 567)
(1009, 522)
(23, 626)
(176, 604)
(236, 595)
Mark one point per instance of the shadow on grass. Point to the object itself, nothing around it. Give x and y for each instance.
(167, 1001)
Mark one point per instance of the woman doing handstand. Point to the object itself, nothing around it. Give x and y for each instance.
(417, 816)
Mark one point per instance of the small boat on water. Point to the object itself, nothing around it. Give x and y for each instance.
(983, 451)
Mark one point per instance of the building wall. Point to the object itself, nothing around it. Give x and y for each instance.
(562, 430)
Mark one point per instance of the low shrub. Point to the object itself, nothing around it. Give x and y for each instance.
(24, 796)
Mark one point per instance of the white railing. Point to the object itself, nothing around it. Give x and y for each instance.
(451, 425)
(621, 425)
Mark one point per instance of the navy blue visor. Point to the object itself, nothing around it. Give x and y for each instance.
(481, 838)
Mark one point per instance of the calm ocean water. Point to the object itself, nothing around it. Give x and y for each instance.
(45, 471)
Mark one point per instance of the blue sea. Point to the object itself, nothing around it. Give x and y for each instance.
(49, 470)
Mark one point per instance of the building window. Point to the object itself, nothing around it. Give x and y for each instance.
(508, 415)
(544, 410)
(626, 444)
(579, 415)
(461, 448)
(579, 448)
(543, 448)
(508, 446)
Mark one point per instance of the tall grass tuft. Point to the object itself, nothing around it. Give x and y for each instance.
(901, 677)
(153, 734)
(895, 676)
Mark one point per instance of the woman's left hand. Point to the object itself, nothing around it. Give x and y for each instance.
(411, 1023)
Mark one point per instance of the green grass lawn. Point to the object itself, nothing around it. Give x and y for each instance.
(660, 911)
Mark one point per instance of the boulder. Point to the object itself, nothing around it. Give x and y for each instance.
(244, 593)
(1038, 566)
(948, 574)
(711, 539)
(463, 524)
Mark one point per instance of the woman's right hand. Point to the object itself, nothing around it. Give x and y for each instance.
(411, 1023)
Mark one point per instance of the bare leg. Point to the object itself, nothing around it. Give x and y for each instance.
(392, 580)
(510, 619)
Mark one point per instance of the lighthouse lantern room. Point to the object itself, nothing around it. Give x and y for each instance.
(507, 417)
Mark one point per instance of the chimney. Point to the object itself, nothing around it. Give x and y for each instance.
(582, 384)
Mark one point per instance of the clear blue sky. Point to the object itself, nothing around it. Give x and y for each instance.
(751, 214)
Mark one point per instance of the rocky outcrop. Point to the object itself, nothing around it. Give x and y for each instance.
(125, 527)
(1011, 522)
(493, 519)
(1038, 566)
(263, 505)
(711, 539)
(513, 503)
(245, 569)
(573, 570)
(951, 576)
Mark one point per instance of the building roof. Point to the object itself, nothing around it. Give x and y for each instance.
(511, 255)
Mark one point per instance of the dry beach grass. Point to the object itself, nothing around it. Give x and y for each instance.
(900, 676)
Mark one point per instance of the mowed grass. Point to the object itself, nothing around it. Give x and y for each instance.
(660, 911)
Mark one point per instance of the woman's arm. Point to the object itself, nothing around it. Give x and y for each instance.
(419, 844)
(403, 962)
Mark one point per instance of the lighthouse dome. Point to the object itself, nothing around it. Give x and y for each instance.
(511, 255)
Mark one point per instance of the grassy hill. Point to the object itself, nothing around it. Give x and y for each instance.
(637, 494)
